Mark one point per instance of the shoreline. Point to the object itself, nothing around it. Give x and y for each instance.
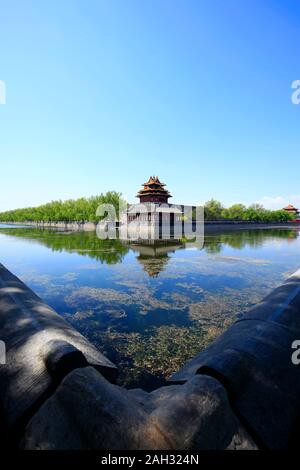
(218, 226)
(209, 226)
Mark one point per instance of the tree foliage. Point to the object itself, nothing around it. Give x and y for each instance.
(71, 210)
(84, 210)
(214, 210)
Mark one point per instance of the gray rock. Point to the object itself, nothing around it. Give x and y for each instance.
(87, 412)
(196, 415)
(27, 324)
(253, 360)
(282, 306)
(61, 357)
(242, 441)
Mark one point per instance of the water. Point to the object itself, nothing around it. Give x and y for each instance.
(150, 308)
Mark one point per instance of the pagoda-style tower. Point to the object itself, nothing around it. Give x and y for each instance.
(291, 210)
(154, 191)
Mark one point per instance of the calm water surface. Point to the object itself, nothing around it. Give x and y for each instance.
(150, 308)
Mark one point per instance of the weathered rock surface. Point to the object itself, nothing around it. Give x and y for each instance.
(34, 361)
(196, 415)
(253, 360)
(87, 412)
(282, 306)
(61, 357)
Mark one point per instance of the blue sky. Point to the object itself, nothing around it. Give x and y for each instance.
(101, 94)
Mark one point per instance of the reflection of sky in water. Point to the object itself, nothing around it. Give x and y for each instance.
(139, 302)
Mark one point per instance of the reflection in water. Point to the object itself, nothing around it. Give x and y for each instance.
(83, 243)
(154, 257)
(215, 242)
(113, 251)
(150, 306)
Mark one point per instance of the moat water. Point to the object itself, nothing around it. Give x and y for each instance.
(150, 308)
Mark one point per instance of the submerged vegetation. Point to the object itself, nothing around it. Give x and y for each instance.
(152, 357)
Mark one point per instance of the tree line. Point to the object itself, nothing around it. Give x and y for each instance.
(71, 210)
(84, 210)
(214, 210)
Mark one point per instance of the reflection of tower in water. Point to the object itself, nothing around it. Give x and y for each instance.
(154, 257)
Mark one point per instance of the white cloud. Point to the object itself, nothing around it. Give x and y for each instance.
(278, 202)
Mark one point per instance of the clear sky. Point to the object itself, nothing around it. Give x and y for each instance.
(103, 93)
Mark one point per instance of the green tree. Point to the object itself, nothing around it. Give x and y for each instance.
(235, 212)
(213, 210)
(71, 210)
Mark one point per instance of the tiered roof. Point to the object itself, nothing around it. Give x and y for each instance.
(291, 208)
(154, 190)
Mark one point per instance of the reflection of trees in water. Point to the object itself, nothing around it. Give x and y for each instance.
(241, 238)
(153, 257)
(83, 243)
